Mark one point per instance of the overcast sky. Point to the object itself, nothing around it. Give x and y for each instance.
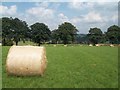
(84, 15)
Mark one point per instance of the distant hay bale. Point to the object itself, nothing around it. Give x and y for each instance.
(65, 45)
(26, 61)
(97, 45)
(111, 45)
(81, 45)
(90, 45)
(54, 45)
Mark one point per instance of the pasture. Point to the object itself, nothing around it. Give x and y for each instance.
(70, 67)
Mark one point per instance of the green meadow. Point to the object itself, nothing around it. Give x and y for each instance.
(73, 66)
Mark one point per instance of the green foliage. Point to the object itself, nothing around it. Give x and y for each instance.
(67, 32)
(55, 36)
(95, 35)
(13, 29)
(7, 42)
(113, 34)
(85, 67)
(82, 38)
(40, 33)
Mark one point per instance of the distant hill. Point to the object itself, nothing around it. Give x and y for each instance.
(82, 38)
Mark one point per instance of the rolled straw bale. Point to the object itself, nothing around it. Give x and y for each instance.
(54, 45)
(65, 45)
(111, 45)
(26, 61)
(90, 45)
(97, 45)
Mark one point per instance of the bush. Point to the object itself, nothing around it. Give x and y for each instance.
(7, 42)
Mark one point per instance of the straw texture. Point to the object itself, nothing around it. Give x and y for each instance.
(26, 61)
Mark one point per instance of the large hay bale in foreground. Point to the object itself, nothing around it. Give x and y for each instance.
(26, 61)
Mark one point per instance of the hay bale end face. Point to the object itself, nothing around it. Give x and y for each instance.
(26, 61)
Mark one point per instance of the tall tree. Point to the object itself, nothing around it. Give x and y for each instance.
(67, 32)
(0, 30)
(13, 29)
(55, 36)
(40, 33)
(19, 30)
(95, 35)
(6, 31)
(113, 34)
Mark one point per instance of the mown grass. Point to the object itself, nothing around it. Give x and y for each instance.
(0, 67)
(71, 67)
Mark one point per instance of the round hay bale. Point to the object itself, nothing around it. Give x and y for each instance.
(112, 45)
(90, 45)
(26, 61)
(54, 45)
(97, 45)
(65, 45)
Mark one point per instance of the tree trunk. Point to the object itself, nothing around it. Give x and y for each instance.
(65, 42)
(16, 43)
(39, 43)
(23, 41)
(3, 42)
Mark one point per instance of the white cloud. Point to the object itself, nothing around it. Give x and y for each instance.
(76, 20)
(80, 5)
(62, 18)
(115, 17)
(93, 17)
(41, 12)
(42, 4)
(91, 1)
(4, 10)
(60, 0)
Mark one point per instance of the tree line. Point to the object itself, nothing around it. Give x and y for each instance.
(15, 30)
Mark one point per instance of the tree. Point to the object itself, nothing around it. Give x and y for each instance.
(0, 30)
(95, 35)
(6, 31)
(55, 36)
(40, 33)
(67, 32)
(113, 34)
(13, 29)
(19, 30)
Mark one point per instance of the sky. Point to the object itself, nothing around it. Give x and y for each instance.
(83, 15)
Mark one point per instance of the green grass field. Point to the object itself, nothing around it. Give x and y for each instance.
(0, 67)
(71, 67)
